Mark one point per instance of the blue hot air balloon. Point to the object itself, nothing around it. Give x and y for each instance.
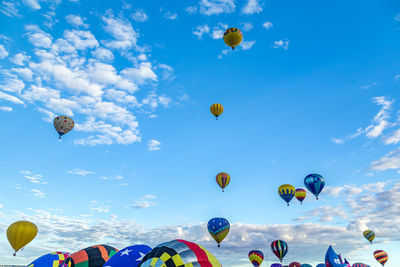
(129, 256)
(305, 265)
(321, 265)
(50, 260)
(276, 265)
(334, 260)
(218, 229)
(314, 183)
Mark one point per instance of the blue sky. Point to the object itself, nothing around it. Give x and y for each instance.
(313, 88)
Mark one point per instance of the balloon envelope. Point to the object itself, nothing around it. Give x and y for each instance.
(216, 110)
(50, 260)
(294, 264)
(286, 192)
(233, 37)
(20, 233)
(369, 235)
(315, 183)
(256, 257)
(360, 265)
(218, 229)
(381, 256)
(94, 256)
(321, 265)
(276, 265)
(300, 194)
(63, 124)
(130, 256)
(279, 248)
(333, 260)
(305, 265)
(223, 179)
(179, 253)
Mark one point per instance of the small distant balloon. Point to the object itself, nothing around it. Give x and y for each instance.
(381, 256)
(256, 257)
(369, 235)
(216, 110)
(223, 180)
(295, 264)
(277, 265)
(20, 233)
(63, 124)
(360, 265)
(279, 248)
(286, 192)
(233, 37)
(218, 229)
(315, 183)
(300, 194)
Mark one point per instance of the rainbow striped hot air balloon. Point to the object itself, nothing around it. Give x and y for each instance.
(179, 253)
(256, 257)
(381, 256)
(218, 229)
(300, 194)
(94, 256)
(286, 192)
(223, 180)
(279, 248)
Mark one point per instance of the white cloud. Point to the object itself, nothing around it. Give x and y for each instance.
(37, 193)
(200, 30)
(144, 203)
(103, 54)
(267, 25)
(143, 74)
(191, 10)
(80, 172)
(19, 59)
(9, 9)
(24, 73)
(101, 209)
(154, 145)
(8, 109)
(122, 31)
(34, 4)
(215, 7)
(397, 17)
(81, 39)
(218, 31)
(3, 52)
(251, 7)
(11, 98)
(33, 178)
(139, 15)
(394, 138)
(281, 44)
(247, 26)
(387, 162)
(116, 177)
(76, 21)
(397, 77)
(167, 72)
(171, 16)
(39, 39)
(246, 45)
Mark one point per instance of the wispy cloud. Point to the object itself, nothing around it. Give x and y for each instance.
(139, 15)
(247, 26)
(76, 21)
(37, 193)
(34, 4)
(116, 177)
(170, 16)
(201, 30)
(9, 8)
(397, 17)
(33, 178)
(3, 52)
(7, 109)
(80, 172)
(251, 7)
(267, 25)
(215, 7)
(246, 45)
(144, 202)
(281, 44)
(154, 145)
(387, 162)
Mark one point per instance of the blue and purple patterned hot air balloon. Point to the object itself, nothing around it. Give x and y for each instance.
(314, 183)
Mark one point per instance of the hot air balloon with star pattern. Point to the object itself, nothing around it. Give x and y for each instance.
(218, 229)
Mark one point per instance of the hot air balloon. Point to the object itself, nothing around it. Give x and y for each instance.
(305, 265)
(294, 264)
(63, 125)
(286, 192)
(130, 256)
(277, 265)
(360, 265)
(223, 179)
(216, 110)
(321, 265)
(369, 235)
(94, 256)
(279, 248)
(218, 229)
(50, 260)
(256, 257)
(233, 37)
(20, 233)
(334, 260)
(315, 183)
(381, 256)
(179, 253)
(300, 194)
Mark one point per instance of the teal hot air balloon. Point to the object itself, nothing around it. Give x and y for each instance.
(305, 265)
(314, 183)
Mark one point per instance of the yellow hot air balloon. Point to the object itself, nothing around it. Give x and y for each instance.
(369, 235)
(20, 233)
(216, 110)
(233, 37)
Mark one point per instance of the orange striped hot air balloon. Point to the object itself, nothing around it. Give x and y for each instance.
(223, 180)
(300, 194)
(216, 110)
(381, 256)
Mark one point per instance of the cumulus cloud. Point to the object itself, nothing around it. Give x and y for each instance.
(154, 145)
(76, 21)
(215, 7)
(122, 31)
(81, 39)
(281, 44)
(267, 25)
(139, 15)
(144, 203)
(218, 31)
(3, 52)
(201, 30)
(20, 59)
(251, 7)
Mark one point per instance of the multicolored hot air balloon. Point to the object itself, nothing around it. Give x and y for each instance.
(256, 257)
(130, 256)
(360, 265)
(50, 260)
(94, 256)
(218, 229)
(300, 194)
(286, 192)
(305, 265)
(223, 180)
(20, 233)
(233, 37)
(216, 110)
(369, 235)
(334, 260)
(277, 265)
(294, 264)
(279, 248)
(381, 256)
(315, 183)
(63, 125)
(179, 253)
